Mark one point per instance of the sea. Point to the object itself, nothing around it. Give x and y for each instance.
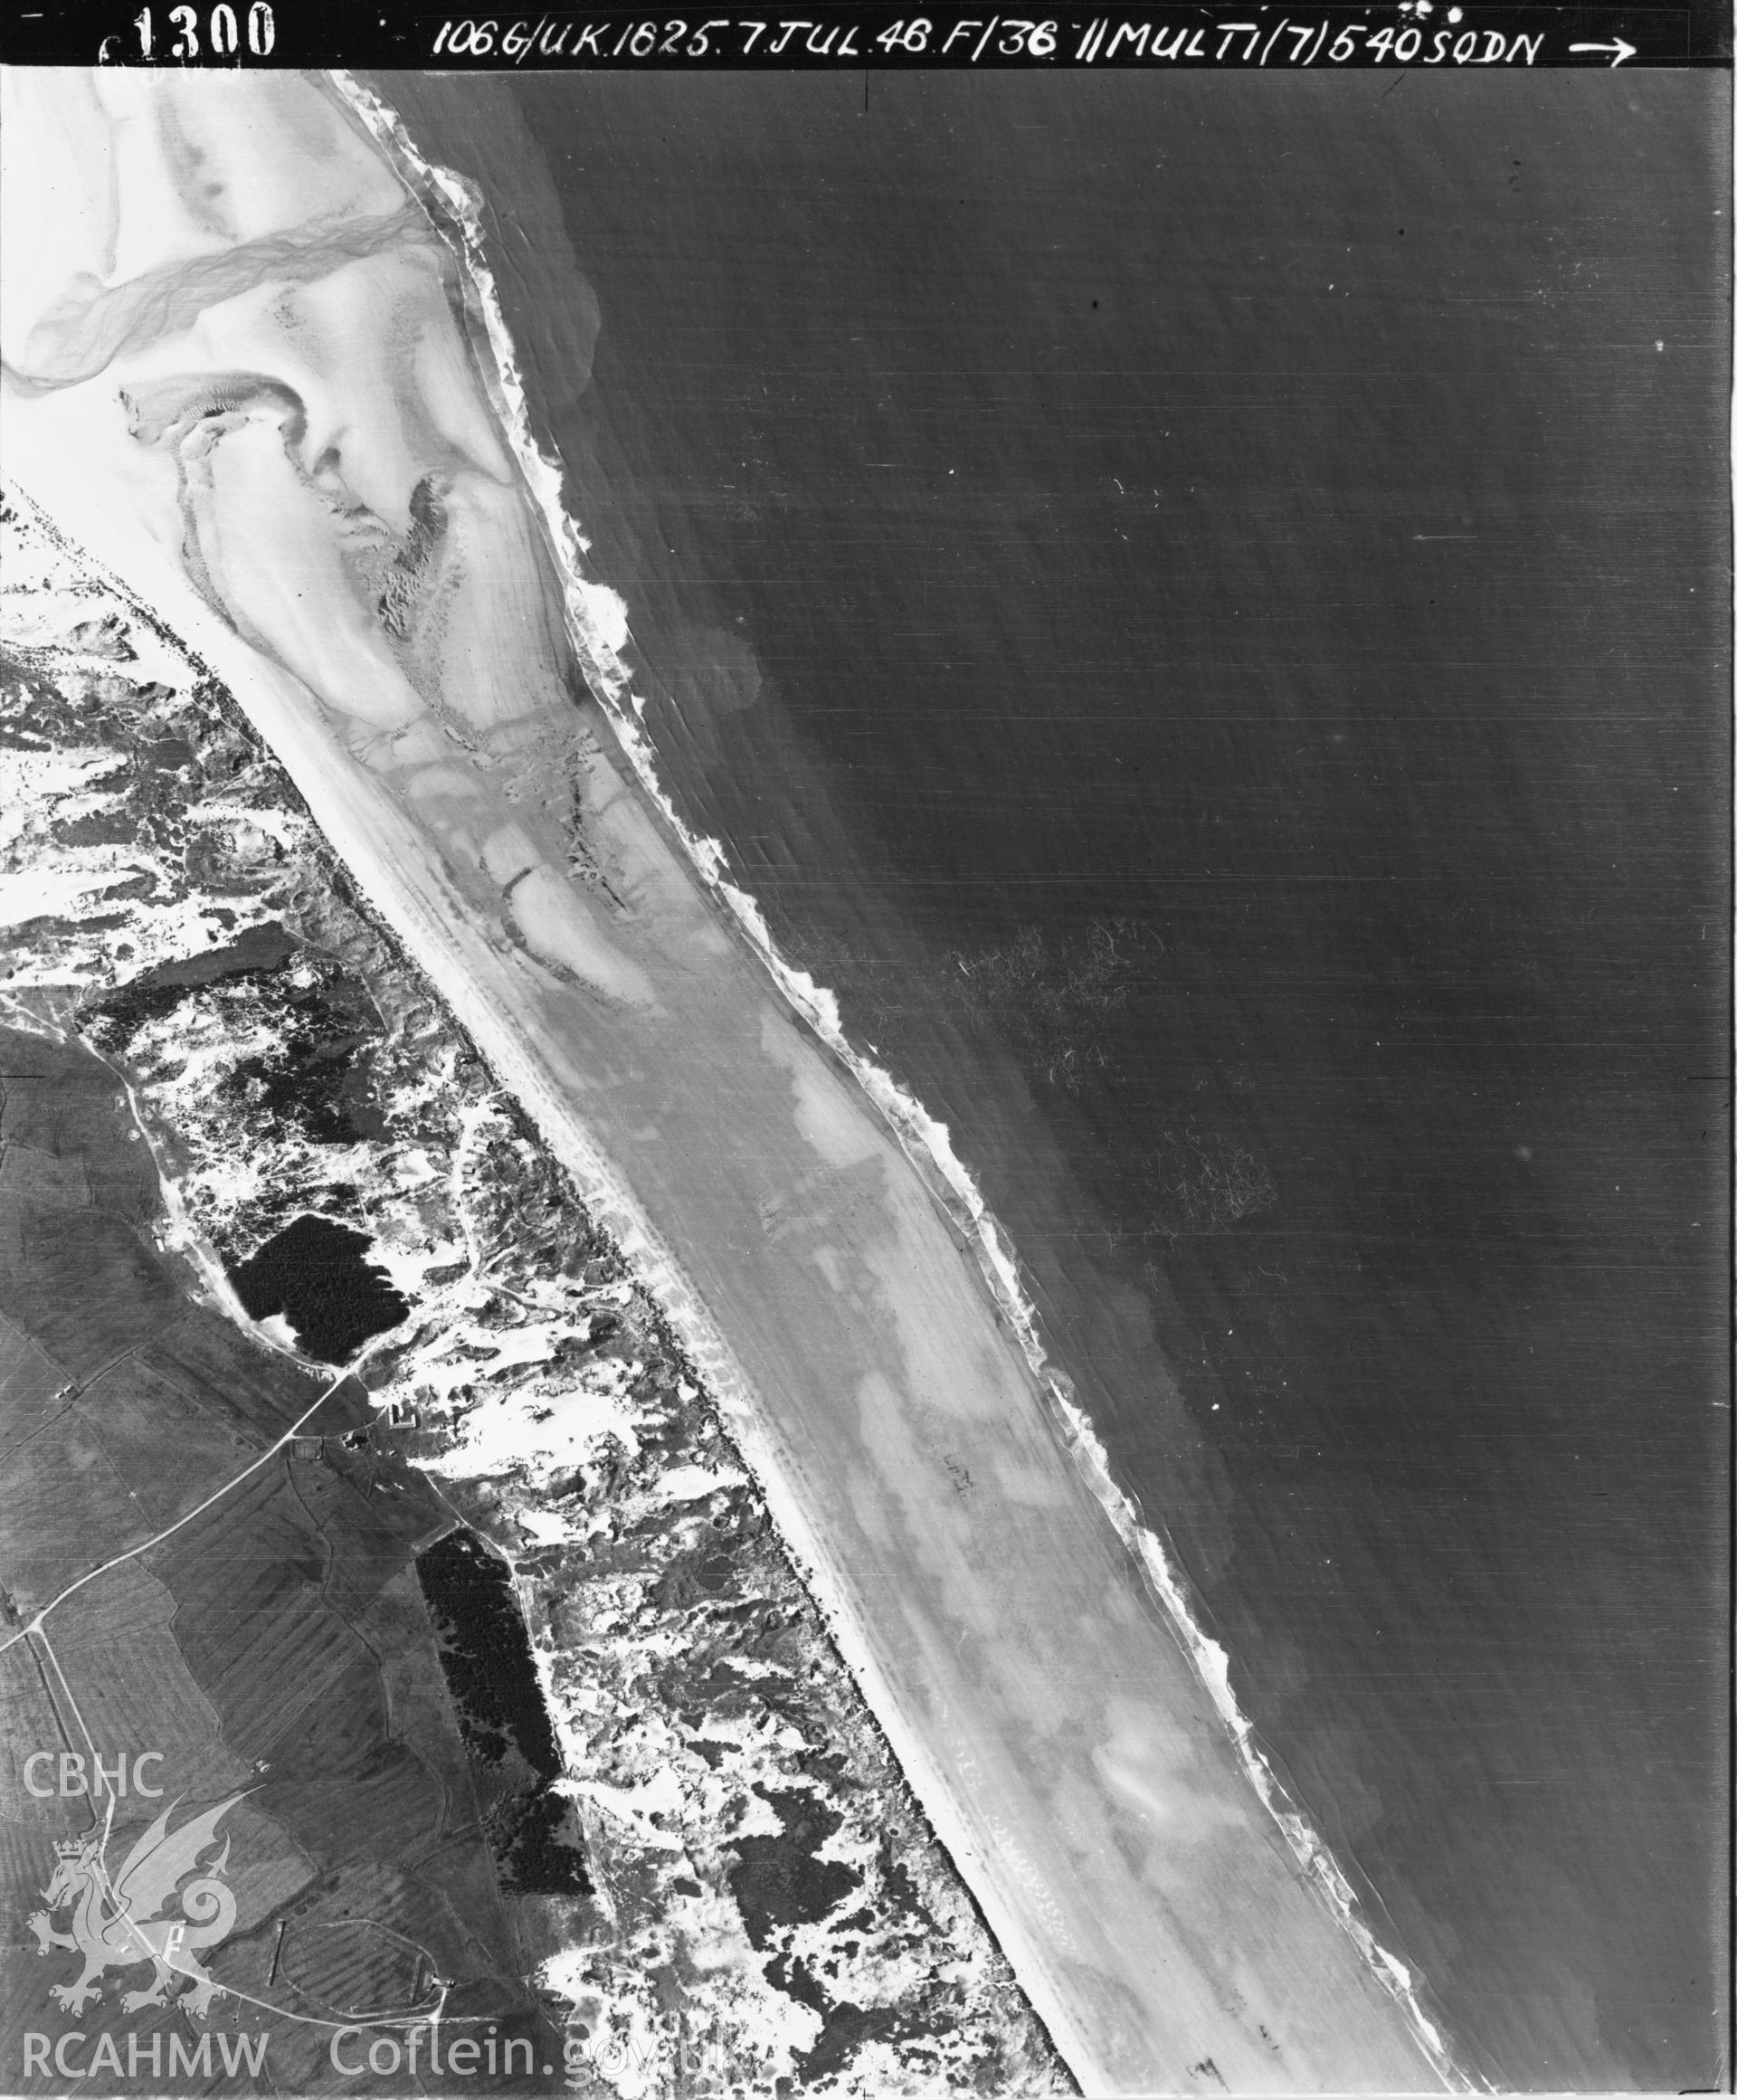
(1197, 605)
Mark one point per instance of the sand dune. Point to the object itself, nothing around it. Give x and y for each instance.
(245, 369)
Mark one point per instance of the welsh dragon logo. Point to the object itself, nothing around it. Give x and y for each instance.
(118, 1923)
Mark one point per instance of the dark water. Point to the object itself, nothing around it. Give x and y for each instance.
(1196, 603)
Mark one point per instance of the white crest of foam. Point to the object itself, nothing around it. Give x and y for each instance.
(598, 627)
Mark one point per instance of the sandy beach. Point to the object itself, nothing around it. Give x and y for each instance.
(262, 416)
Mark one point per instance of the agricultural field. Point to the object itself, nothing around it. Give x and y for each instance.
(219, 1663)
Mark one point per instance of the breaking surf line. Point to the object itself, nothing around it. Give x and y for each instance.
(597, 626)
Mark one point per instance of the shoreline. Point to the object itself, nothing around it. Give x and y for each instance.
(924, 1141)
(1035, 1824)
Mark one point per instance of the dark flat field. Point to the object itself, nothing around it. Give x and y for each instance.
(265, 1648)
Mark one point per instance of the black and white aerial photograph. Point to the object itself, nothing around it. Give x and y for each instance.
(865, 1053)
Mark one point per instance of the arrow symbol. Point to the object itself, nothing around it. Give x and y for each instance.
(1621, 50)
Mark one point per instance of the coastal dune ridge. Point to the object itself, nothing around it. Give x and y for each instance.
(584, 991)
